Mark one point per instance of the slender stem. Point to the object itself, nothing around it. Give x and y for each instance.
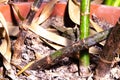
(84, 29)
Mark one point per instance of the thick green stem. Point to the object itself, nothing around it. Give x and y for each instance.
(84, 16)
(84, 29)
(84, 58)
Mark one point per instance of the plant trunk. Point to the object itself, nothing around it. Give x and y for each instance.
(110, 51)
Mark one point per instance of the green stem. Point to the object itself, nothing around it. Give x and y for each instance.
(84, 58)
(84, 29)
(108, 2)
(116, 3)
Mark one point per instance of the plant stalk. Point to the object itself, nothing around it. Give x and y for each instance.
(84, 30)
(110, 54)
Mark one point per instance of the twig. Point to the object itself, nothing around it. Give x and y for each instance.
(25, 73)
(68, 51)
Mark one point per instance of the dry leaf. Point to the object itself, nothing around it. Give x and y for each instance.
(94, 50)
(19, 67)
(26, 67)
(5, 47)
(46, 12)
(13, 30)
(74, 12)
(49, 35)
(17, 11)
(96, 26)
(4, 1)
(97, 1)
(55, 46)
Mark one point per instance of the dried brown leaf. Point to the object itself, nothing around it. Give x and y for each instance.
(55, 46)
(53, 37)
(17, 11)
(26, 67)
(46, 12)
(74, 11)
(4, 1)
(5, 47)
(96, 26)
(13, 30)
(97, 1)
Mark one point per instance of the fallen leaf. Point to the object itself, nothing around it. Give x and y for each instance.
(97, 1)
(46, 12)
(74, 11)
(53, 37)
(5, 47)
(4, 1)
(13, 30)
(96, 26)
(26, 67)
(55, 46)
(17, 11)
